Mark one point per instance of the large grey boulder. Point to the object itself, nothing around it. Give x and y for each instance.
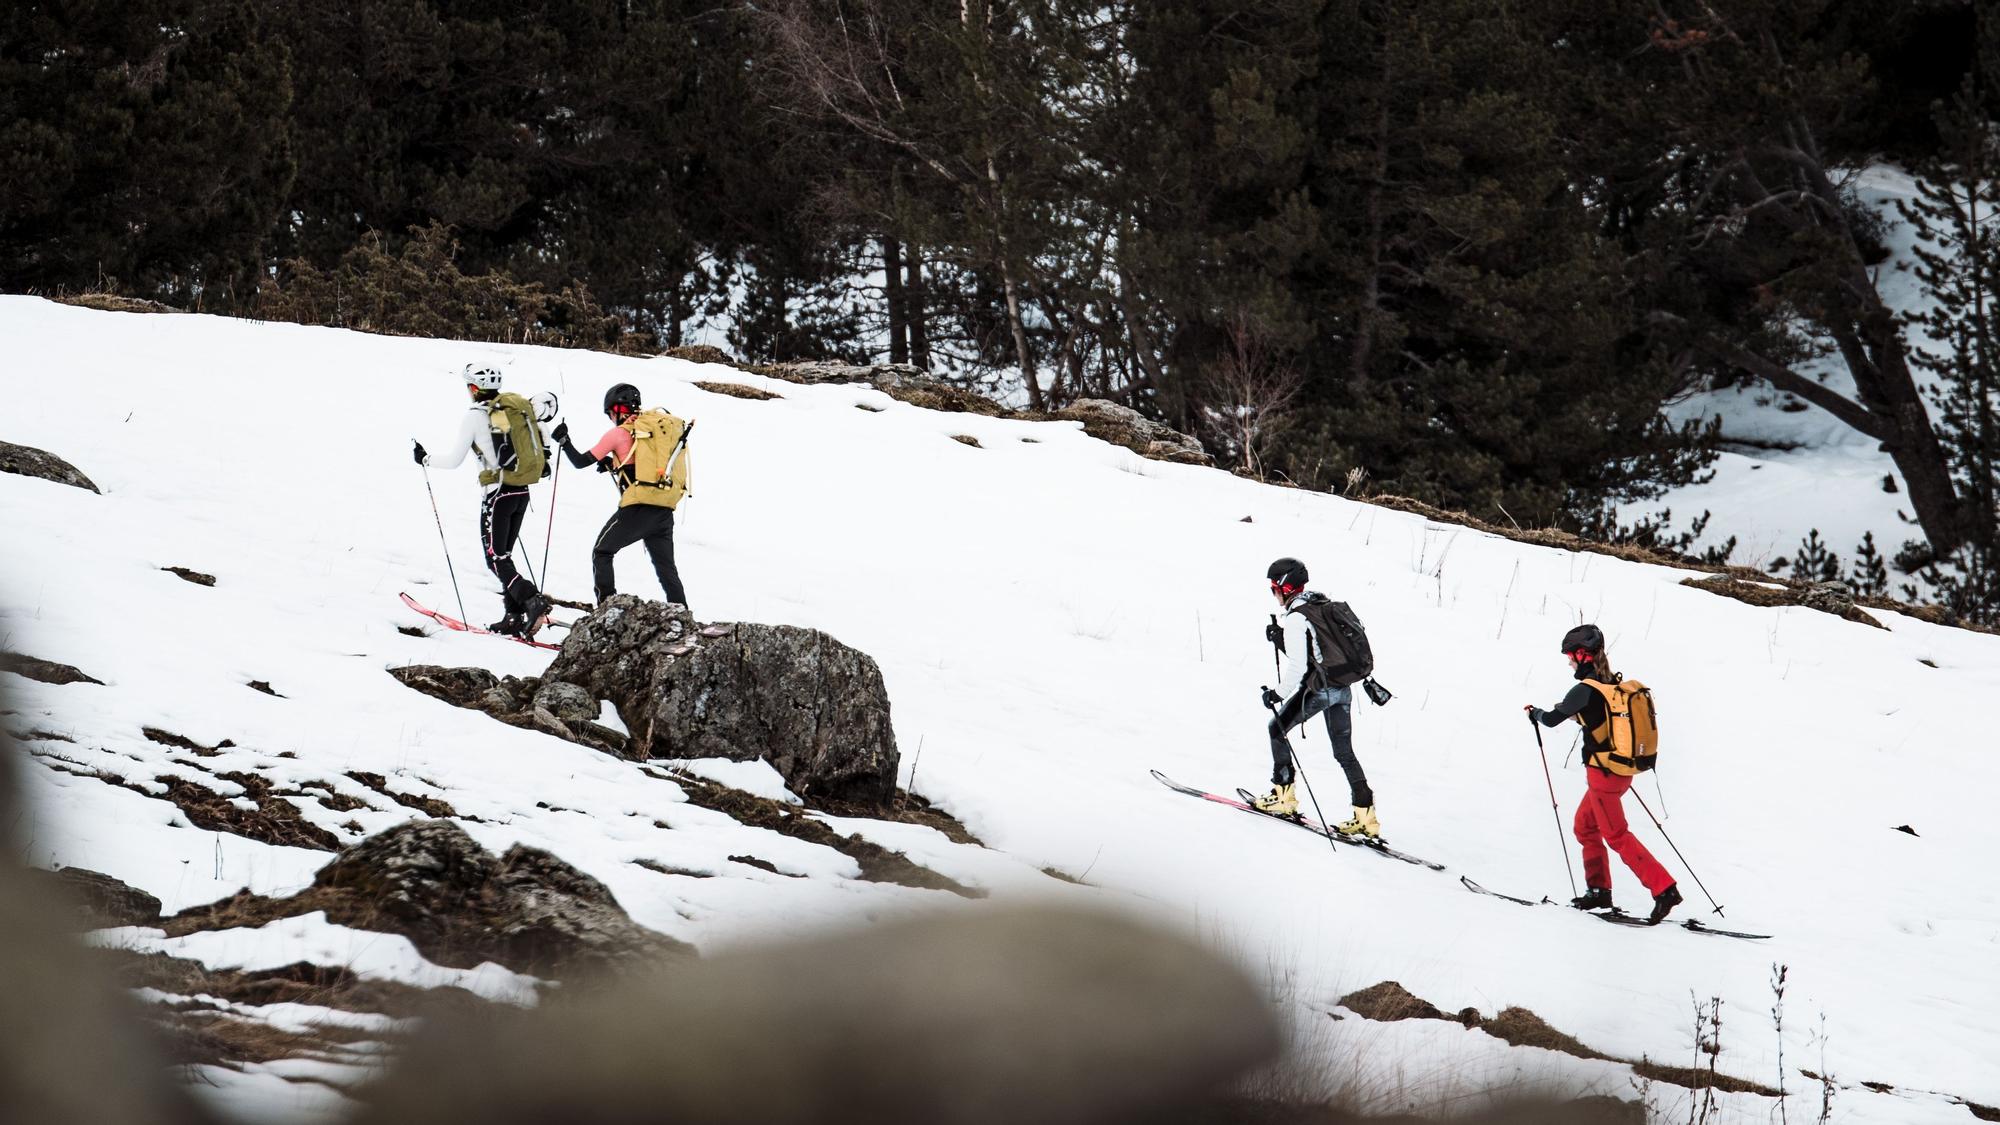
(31, 462)
(814, 708)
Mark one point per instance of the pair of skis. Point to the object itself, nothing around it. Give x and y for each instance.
(457, 626)
(1616, 916)
(1245, 802)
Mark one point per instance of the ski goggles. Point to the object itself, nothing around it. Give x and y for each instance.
(1282, 588)
(1581, 655)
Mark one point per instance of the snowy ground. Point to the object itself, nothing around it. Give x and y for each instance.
(1053, 617)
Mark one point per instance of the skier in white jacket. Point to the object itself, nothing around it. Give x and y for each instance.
(1305, 672)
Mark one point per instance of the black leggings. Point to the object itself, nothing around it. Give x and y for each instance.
(647, 523)
(500, 517)
(1340, 732)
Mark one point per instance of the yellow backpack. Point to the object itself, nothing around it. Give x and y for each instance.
(659, 462)
(1631, 728)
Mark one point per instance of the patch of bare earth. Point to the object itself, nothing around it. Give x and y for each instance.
(1389, 1001)
(878, 864)
(737, 390)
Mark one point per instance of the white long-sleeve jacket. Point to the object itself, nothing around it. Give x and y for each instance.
(475, 436)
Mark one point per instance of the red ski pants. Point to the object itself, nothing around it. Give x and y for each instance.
(1600, 825)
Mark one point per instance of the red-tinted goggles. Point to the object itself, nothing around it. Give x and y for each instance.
(1581, 655)
(1282, 588)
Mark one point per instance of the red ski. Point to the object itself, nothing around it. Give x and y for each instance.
(457, 626)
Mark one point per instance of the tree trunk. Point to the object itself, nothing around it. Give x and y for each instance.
(914, 314)
(892, 274)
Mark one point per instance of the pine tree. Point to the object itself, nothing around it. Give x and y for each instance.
(1956, 218)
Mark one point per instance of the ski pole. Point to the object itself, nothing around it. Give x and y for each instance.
(549, 536)
(1554, 810)
(1678, 855)
(1300, 770)
(443, 542)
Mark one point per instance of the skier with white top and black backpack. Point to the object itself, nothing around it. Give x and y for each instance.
(1323, 651)
(502, 432)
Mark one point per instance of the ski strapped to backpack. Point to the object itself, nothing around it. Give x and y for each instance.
(1630, 732)
(517, 442)
(1344, 655)
(660, 461)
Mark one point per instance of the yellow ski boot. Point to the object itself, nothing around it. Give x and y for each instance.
(1362, 823)
(1279, 802)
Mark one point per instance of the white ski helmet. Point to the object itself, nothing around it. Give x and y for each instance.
(482, 376)
(545, 406)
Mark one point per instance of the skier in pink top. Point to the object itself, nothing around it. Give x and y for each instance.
(647, 523)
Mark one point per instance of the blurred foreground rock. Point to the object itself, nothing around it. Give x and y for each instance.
(1026, 1015)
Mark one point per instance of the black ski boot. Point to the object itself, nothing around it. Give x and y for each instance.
(508, 626)
(1596, 898)
(533, 614)
(1663, 902)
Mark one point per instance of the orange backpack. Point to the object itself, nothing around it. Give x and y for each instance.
(1630, 732)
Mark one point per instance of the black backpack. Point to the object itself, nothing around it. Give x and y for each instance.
(1344, 654)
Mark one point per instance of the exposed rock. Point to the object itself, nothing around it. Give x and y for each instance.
(813, 707)
(44, 671)
(194, 576)
(517, 701)
(460, 905)
(1836, 598)
(901, 381)
(566, 701)
(460, 687)
(967, 439)
(1122, 425)
(31, 462)
(105, 901)
(115, 302)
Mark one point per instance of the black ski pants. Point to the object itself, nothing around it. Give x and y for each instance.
(500, 516)
(640, 523)
(1337, 704)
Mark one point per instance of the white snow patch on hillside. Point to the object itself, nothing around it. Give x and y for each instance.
(1052, 619)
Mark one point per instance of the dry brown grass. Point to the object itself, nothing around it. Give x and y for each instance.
(112, 302)
(737, 390)
(878, 864)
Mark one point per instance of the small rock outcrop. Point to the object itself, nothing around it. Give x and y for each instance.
(1122, 425)
(1836, 598)
(814, 708)
(460, 904)
(901, 381)
(102, 900)
(44, 671)
(31, 462)
(560, 709)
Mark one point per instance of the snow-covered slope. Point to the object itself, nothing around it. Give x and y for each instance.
(1053, 616)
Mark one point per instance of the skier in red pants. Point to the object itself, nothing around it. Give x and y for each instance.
(1600, 817)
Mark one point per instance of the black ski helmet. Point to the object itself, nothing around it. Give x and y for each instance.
(1587, 639)
(625, 395)
(1288, 572)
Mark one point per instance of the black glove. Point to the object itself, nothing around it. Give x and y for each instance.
(1272, 698)
(561, 432)
(1535, 715)
(1275, 633)
(418, 454)
(604, 464)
